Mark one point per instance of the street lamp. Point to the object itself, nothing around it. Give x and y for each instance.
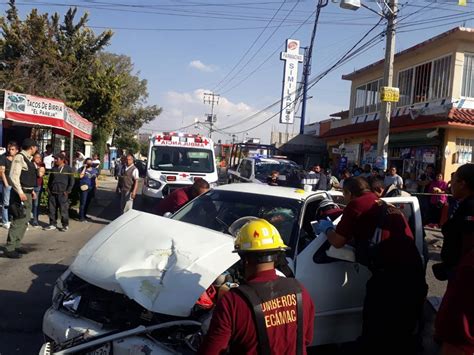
(386, 106)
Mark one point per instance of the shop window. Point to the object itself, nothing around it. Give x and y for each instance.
(464, 150)
(468, 76)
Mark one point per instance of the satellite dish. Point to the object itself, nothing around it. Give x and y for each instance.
(350, 4)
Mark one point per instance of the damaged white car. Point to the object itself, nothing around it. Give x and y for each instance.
(147, 285)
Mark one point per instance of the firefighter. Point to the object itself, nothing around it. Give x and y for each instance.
(267, 314)
(396, 291)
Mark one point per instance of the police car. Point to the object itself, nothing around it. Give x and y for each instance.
(149, 282)
(177, 159)
(258, 169)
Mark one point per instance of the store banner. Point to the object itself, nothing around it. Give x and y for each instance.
(33, 105)
(77, 121)
(42, 111)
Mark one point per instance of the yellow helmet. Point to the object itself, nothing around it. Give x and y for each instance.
(256, 235)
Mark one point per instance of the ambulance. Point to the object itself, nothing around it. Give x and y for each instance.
(176, 160)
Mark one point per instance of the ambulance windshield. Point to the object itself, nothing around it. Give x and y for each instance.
(182, 159)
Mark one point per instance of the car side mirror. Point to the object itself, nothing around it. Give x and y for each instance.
(167, 215)
(346, 253)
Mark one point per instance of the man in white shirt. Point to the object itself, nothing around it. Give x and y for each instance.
(392, 178)
(48, 157)
(128, 182)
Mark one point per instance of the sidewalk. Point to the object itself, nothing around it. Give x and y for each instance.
(26, 284)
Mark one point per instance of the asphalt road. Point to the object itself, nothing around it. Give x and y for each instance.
(26, 284)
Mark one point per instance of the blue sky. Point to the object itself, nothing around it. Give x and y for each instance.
(180, 62)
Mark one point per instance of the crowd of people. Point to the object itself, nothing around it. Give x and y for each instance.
(383, 241)
(433, 191)
(22, 183)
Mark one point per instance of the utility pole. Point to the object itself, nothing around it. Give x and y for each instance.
(211, 99)
(307, 62)
(386, 106)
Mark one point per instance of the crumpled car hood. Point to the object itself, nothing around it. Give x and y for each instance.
(162, 264)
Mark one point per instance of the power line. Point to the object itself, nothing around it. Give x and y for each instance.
(250, 47)
(260, 48)
(268, 58)
(351, 53)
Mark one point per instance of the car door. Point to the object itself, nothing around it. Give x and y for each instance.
(246, 170)
(410, 207)
(337, 286)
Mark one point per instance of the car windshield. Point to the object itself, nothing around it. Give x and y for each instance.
(264, 169)
(182, 159)
(217, 210)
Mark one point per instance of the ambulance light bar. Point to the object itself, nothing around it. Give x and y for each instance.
(180, 137)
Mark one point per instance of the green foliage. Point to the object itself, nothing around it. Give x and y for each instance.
(127, 142)
(132, 112)
(74, 197)
(144, 146)
(43, 56)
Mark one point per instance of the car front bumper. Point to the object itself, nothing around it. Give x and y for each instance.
(60, 326)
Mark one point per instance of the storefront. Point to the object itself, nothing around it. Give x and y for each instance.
(414, 143)
(47, 120)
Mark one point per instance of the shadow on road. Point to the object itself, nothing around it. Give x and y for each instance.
(21, 313)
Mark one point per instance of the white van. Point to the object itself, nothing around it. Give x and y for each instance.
(176, 160)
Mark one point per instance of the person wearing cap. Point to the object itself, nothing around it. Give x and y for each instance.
(60, 184)
(267, 314)
(328, 209)
(23, 179)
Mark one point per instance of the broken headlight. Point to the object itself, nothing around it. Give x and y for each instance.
(71, 302)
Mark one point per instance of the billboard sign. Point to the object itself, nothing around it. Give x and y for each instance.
(291, 57)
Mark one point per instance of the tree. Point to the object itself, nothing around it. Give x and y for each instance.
(133, 112)
(129, 143)
(144, 146)
(41, 56)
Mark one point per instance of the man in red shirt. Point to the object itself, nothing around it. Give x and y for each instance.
(384, 242)
(268, 314)
(178, 198)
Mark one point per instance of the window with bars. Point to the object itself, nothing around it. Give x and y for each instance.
(405, 80)
(441, 78)
(425, 82)
(464, 150)
(359, 105)
(468, 76)
(367, 98)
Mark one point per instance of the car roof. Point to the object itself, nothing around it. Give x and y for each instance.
(267, 190)
(272, 160)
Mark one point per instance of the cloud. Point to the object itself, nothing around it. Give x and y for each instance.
(182, 109)
(197, 64)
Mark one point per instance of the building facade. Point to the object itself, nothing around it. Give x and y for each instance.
(433, 123)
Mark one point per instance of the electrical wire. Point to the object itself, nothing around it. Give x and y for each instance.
(268, 57)
(350, 54)
(259, 49)
(249, 48)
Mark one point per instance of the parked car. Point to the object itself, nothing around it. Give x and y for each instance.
(136, 284)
